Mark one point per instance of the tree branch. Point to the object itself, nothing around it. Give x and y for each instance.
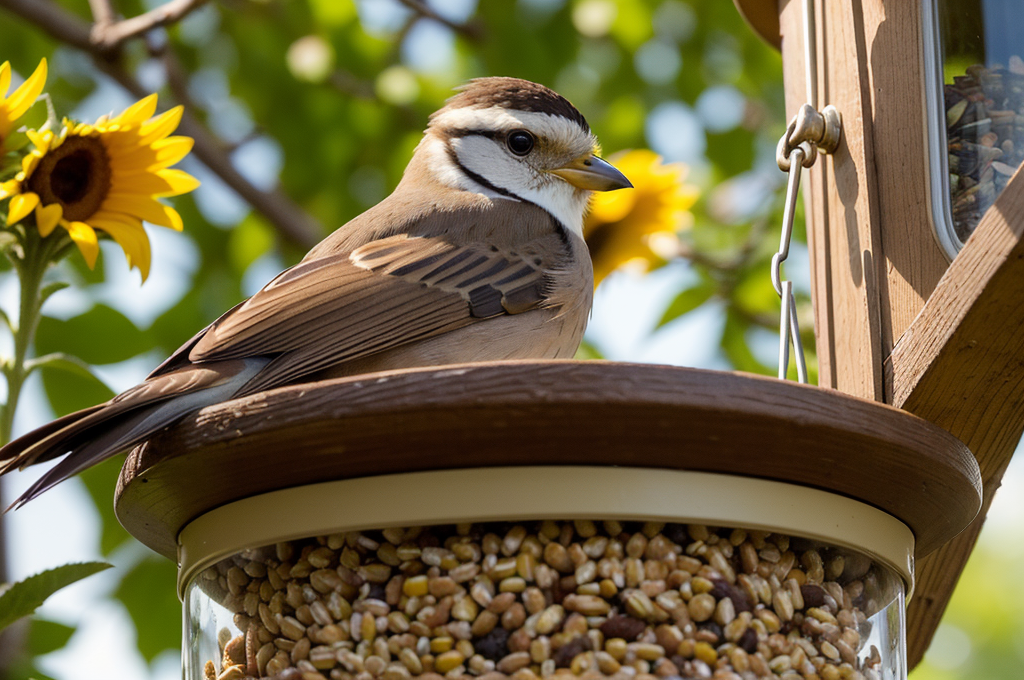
(109, 36)
(348, 83)
(103, 13)
(471, 30)
(291, 220)
(294, 224)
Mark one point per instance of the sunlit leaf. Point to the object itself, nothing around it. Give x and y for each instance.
(51, 288)
(332, 13)
(588, 350)
(251, 239)
(69, 391)
(734, 344)
(687, 301)
(101, 335)
(24, 597)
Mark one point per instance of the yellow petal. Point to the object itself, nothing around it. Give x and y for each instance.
(138, 112)
(144, 208)
(5, 79)
(26, 95)
(177, 224)
(85, 238)
(159, 155)
(20, 207)
(161, 183)
(29, 163)
(611, 206)
(41, 140)
(161, 126)
(9, 188)
(132, 238)
(121, 140)
(181, 182)
(142, 183)
(47, 217)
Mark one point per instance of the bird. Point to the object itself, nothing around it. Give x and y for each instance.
(477, 255)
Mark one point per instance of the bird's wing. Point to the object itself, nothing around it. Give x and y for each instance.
(382, 295)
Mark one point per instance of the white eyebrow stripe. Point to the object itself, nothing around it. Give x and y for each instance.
(554, 128)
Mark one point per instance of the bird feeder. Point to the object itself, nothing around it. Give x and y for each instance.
(531, 518)
(536, 519)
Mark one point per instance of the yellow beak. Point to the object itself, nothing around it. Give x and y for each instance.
(593, 173)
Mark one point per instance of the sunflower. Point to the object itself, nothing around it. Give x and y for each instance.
(627, 227)
(104, 176)
(14, 107)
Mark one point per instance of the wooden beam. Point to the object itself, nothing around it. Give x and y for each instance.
(960, 365)
(913, 261)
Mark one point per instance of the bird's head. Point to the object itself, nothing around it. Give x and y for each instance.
(512, 139)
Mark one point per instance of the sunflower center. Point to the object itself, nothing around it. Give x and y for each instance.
(76, 174)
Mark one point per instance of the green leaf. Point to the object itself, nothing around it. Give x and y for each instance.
(47, 636)
(64, 362)
(36, 115)
(734, 344)
(687, 301)
(754, 291)
(250, 240)
(51, 288)
(588, 351)
(16, 141)
(101, 335)
(24, 597)
(148, 593)
(82, 272)
(69, 392)
(333, 13)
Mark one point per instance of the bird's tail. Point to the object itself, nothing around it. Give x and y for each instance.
(97, 433)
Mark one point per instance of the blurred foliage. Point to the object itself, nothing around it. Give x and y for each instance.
(982, 631)
(326, 99)
(42, 638)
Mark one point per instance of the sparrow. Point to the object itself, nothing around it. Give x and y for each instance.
(477, 255)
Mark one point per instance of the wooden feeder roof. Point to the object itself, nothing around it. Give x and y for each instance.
(550, 413)
(763, 17)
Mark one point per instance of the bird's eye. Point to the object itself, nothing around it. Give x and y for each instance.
(520, 142)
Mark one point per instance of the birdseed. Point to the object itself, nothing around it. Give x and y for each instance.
(627, 600)
(985, 136)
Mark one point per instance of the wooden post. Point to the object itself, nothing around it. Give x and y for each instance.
(842, 206)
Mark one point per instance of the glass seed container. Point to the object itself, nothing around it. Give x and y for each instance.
(974, 69)
(621, 593)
